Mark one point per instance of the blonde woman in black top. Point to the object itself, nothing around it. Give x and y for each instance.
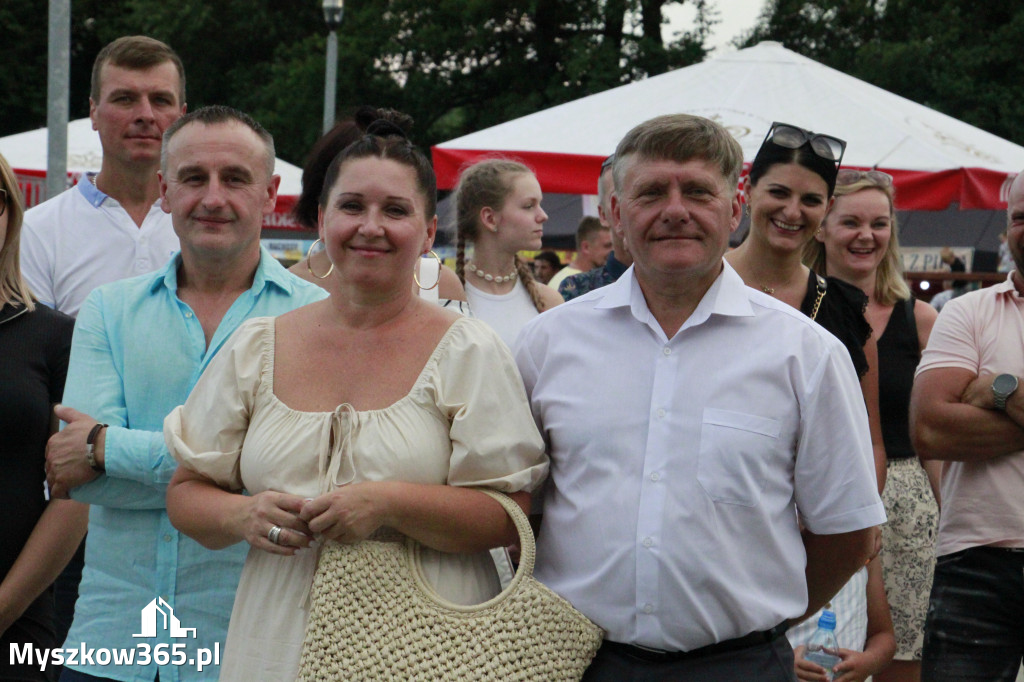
(858, 244)
(37, 537)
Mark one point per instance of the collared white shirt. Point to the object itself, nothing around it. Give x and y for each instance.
(678, 465)
(82, 239)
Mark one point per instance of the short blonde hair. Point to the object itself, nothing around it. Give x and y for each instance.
(890, 286)
(13, 286)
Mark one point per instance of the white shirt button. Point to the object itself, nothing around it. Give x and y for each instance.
(655, 476)
(661, 414)
(666, 351)
(648, 542)
(648, 608)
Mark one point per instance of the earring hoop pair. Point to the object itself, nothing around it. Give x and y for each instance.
(440, 265)
(309, 266)
(309, 263)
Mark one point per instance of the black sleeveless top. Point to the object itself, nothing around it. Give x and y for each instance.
(841, 312)
(899, 351)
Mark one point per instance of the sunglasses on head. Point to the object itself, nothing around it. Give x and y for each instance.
(848, 176)
(793, 137)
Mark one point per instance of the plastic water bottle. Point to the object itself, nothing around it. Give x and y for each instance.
(822, 647)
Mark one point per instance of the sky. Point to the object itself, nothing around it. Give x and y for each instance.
(735, 16)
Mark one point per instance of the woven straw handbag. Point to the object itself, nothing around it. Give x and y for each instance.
(374, 617)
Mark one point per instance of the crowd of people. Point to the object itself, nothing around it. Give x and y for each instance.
(715, 445)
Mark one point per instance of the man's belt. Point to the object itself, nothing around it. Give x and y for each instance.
(658, 656)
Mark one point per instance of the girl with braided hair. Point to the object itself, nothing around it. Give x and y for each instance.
(498, 210)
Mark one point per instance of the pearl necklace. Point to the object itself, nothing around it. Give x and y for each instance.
(768, 290)
(500, 279)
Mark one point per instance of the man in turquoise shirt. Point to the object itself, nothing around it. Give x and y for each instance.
(138, 349)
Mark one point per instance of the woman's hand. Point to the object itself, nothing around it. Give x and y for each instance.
(349, 514)
(269, 510)
(805, 670)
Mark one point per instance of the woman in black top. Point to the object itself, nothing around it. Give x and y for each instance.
(788, 191)
(36, 537)
(858, 244)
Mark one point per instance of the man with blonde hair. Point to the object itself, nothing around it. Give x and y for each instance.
(670, 517)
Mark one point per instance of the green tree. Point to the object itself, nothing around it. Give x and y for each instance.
(455, 65)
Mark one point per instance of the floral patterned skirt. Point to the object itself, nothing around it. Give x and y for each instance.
(908, 552)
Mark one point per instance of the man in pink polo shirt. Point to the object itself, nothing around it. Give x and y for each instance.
(966, 411)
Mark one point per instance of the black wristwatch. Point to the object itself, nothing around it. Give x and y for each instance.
(1003, 386)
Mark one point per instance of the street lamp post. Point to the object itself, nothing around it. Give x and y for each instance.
(333, 11)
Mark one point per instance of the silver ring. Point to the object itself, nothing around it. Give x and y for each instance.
(275, 534)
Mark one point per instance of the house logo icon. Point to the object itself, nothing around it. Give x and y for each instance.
(158, 614)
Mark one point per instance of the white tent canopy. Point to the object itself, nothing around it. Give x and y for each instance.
(26, 153)
(935, 158)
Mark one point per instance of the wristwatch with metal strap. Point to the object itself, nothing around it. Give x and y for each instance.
(1003, 386)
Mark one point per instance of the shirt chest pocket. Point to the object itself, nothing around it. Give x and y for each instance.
(734, 449)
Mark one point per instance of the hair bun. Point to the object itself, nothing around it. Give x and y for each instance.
(383, 122)
(382, 128)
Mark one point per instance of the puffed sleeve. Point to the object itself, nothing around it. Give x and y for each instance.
(495, 442)
(207, 432)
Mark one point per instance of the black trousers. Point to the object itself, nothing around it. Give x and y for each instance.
(769, 662)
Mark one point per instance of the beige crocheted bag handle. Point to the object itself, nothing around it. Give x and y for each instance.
(527, 557)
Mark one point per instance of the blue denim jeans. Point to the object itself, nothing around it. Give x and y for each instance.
(975, 625)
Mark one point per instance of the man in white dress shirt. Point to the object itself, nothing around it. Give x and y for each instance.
(110, 225)
(670, 518)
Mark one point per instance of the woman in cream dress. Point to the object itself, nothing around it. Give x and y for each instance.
(366, 413)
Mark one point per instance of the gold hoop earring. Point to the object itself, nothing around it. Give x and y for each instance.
(309, 264)
(440, 265)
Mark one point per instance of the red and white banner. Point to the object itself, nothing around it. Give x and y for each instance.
(971, 188)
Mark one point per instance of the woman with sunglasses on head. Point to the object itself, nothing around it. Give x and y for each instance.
(37, 537)
(858, 244)
(788, 191)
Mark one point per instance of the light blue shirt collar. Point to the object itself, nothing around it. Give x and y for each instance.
(87, 187)
(269, 271)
